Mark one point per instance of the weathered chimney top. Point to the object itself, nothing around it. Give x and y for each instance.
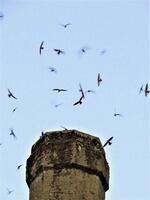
(68, 149)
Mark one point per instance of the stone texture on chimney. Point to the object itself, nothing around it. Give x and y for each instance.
(67, 165)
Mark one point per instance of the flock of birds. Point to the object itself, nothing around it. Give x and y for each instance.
(143, 88)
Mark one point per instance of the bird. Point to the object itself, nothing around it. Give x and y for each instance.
(9, 191)
(83, 50)
(52, 69)
(90, 91)
(59, 51)
(81, 90)
(103, 51)
(41, 47)
(19, 166)
(117, 114)
(65, 25)
(99, 80)
(79, 101)
(146, 90)
(57, 105)
(108, 142)
(141, 89)
(0, 144)
(14, 109)
(59, 90)
(12, 133)
(10, 94)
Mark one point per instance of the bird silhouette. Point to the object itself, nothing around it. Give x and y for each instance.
(90, 91)
(59, 51)
(41, 47)
(12, 133)
(57, 105)
(52, 69)
(141, 89)
(65, 25)
(146, 90)
(14, 109)
(19, 166)
(117, 114)
(99, 80)
(10, 94)
(102, 52)
(59, 90)
(108, 142)
(84, 49)
(9, 191)
(79, 101)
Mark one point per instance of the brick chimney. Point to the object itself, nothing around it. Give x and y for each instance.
(67, 165)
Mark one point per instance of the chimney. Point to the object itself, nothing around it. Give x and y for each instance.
(67, 165)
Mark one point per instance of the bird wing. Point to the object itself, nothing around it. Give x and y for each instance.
(19, 166)
(98, 78)
(14, 96)
(109, 139)
(105, 143)
(68, 24)
(9, 92)
(141, 89)
(63, 90)
(146, 87)
(56, 89)
(41, 47)
(77, 102)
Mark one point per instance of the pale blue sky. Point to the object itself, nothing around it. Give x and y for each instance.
(120, 27)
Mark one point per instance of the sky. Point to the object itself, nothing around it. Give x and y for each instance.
(117, 27)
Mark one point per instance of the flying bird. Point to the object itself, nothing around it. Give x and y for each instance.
(146, 90)
(59, 51)
(14, 109)
(59, 90)
(141, 89)
(57, 105)
(10, 94)
(65, 25)
(99, 80)
(12, 133)
(41, 47)
(79, 101)
(52, 69)
(83, 50)
(103, 51)
(19, 166)
(108, 142)
(116, 114)
(90, 91)
(9, 191)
